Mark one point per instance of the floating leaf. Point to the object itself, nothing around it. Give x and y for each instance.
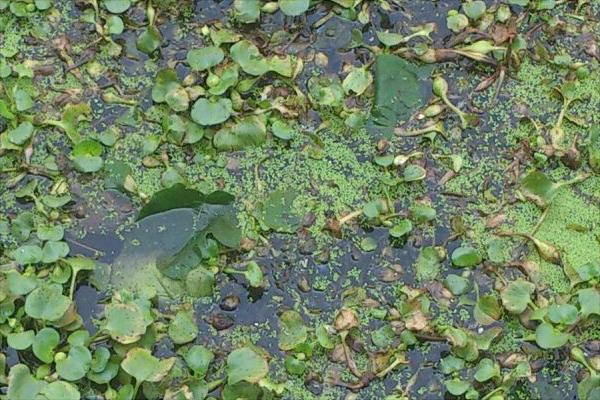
(399, 91)
(125, 322)
(44, 343)
(564, 314)
(293, 7)
(21, 134)
(246, 11)
(22, 385)
(357, 81)
(457, 386)
(466, 256)
(247, 132)
(182, 328)
(245, 364)
(474, 9)
(517, 295)
(486, 370)
(292, 331)
(589, 301)
(149, 40)
(28, 254)
(47, 302)
(198, 358)
(548, 337)
(20, 340)
(117, 6)
(248, 57)
(326, 91)
(211, 112)
(59, 390)
(428, 266)
(205, 58)
(401, 228)
(143, 366)
(277, 212)
(75, 365)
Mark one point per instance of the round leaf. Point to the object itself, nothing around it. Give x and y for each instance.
(293, 7)
(205, 58)
(44, 343)
(292, 332)
(465, 256)
(47, 302)
(206, 112)
(246, 365)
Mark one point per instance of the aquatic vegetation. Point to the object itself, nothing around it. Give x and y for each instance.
(299, 199)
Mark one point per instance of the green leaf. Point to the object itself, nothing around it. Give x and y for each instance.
(23, 101)
(538, 188)
(200, 282)
(21, 134)
(125, 322)
(71, 116)
(399, 91)
(44, 343)
(20, 340)
(223, 79)
(486, 370)
(245, 364)
(246, 11)
(22, 385)
(401, 228)
(47, 302)
(277, 212)
(75, 365)
(143, 366)
(282, 130)
(248, 57)
(166, 80)
(414, 173)
(474, 9)
(86, 156)
(292, 331)
(357, 81)
(389, 39)
(117, 6)
(589, 301)
(182, 328)
(487, 310)
(54, 251)
(428, 266)
(211, 112)
(18, 284)
(28, 254)
(457, 386)
(50, 232)
(456, 22)
(149, 40)
(114, 25)
(564, 314)
(59, 390)
(249, 131)
(466, 256)
(548, 337)
(456, 284)
(198, 359)
(517, 295)
(205, 58)
(294, 7)
(326, 91)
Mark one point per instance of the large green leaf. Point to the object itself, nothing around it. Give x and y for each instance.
(247, 132)
(400, 89)
(247, 365)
